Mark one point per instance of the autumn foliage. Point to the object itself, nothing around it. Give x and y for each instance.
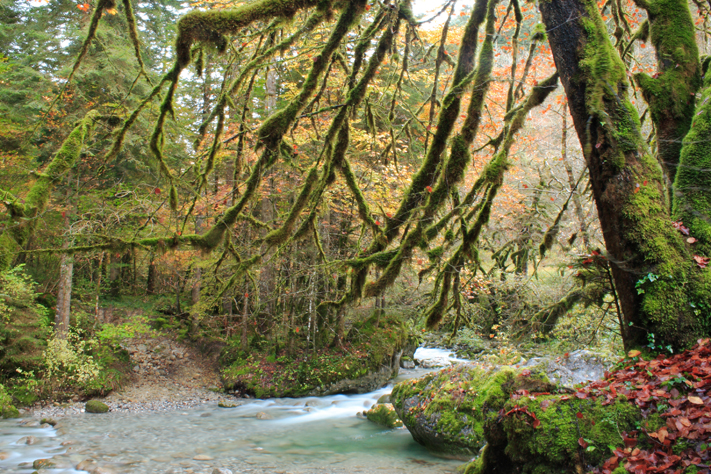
(675, 388)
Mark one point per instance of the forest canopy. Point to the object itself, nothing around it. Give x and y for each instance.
(288, 162)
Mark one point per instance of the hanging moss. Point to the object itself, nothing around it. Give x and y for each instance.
(278, 236)
(133, 34)
(173, 198)
(128, 123)
(274, 127)
(212, 25)
(453, 169)
(426, 175)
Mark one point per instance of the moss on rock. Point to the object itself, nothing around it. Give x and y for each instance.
(95, 406)
(383, 415)
(447, 411)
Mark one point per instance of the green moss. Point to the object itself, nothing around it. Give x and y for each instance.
(278, 236)
(458, 403)
(370, 345)
(691, 201)
(9, 411)
(383, 415)
(211, 26)
(671, 93)
(95, 406)
(554, 443)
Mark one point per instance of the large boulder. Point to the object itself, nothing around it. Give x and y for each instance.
(523, 422)
(578, 367)
(447, 411)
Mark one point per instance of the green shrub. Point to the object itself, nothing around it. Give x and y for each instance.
(24, 326)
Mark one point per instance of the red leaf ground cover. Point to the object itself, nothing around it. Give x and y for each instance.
(676, 388)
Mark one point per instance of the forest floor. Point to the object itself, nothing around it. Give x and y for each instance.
(166, 375)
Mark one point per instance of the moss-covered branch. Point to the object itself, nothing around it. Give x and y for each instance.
(36, 200)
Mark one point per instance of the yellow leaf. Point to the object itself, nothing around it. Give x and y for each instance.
(111, 11)
(633, 353)
(696, 400)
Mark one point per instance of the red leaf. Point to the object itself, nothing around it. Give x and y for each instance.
(583, 443)
(579, 415)
(156, 191)
(428, 188)
(701, 261)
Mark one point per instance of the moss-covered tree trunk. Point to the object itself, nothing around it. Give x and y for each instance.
(670, 93)
(653, 268)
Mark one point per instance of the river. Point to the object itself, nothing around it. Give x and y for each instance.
(289, 435)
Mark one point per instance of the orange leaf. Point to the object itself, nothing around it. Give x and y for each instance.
(633, 353)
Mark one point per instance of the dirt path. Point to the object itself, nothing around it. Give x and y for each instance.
(166, 375)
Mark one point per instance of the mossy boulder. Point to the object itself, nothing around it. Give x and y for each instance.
(383, 415)
(447, 411)
(368, 359)
(554, 434)
(95, 406)
(521, 420)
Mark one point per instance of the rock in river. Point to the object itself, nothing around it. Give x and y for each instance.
(95, 406)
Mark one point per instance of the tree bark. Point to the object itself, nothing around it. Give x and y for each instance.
(64, 294)
(579, 213)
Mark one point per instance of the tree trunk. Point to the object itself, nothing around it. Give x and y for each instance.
(583, 225)
(245, 315)
(151, 278)
(671, 93)
(627, 181)
(64, 294)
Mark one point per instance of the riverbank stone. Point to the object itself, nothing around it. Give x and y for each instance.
(95, 406)
(383, 415)
(227, 404)
(577, 367)
(42, 464)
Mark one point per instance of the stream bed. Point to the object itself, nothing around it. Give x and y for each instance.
(289, 435)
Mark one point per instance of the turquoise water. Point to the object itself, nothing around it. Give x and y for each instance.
(318, 434)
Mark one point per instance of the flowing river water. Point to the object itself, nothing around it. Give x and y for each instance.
(288, 435)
